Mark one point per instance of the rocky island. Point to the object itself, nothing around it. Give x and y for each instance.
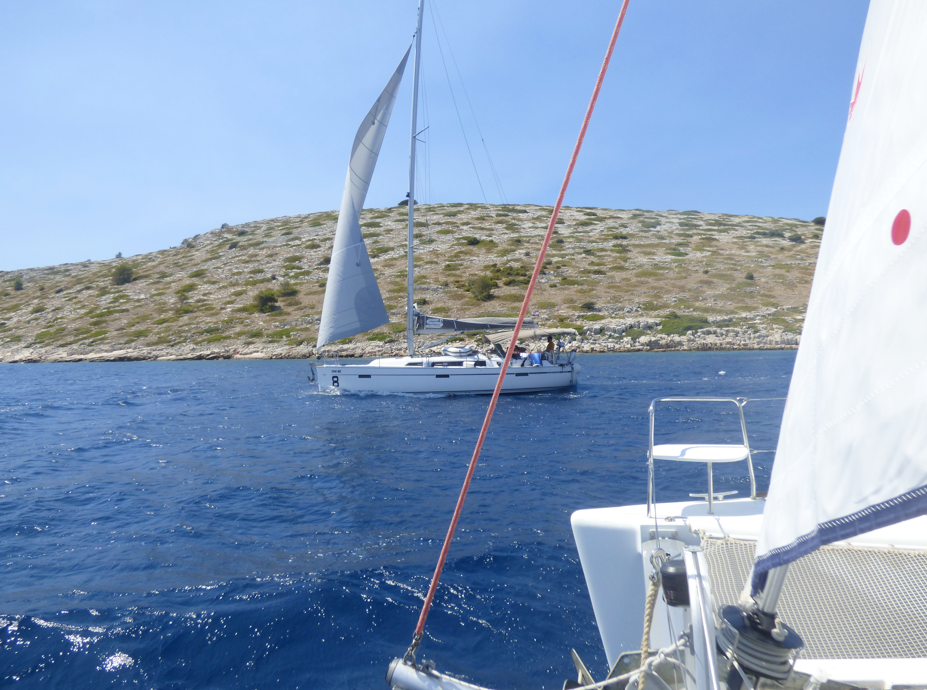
(626, 280)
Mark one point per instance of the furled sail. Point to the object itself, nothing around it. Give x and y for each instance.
(428, 325)
(852, 452)
(353, 303)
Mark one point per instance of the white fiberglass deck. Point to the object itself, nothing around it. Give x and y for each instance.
(860, 606)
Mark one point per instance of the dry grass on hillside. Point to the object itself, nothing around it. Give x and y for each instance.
(623, 261)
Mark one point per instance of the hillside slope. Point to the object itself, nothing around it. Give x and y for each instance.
(617, 271)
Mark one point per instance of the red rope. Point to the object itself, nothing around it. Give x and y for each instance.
(419, 629)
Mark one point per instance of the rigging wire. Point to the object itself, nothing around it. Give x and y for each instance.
(457, 110)
(425, 157)
(492, 167)
(426, 606)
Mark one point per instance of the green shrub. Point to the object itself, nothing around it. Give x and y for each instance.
(680, 325)
(798, 239)
(509, 274)
(481, 288)
(749, 276)
(769, 233)
(587, 306)
(820, 220)
(198, 273)
(470, 240)
(183, 292)
(287, 289)
(265, 301)
(381, 338)
(325, 261)
(232, 245)
(122, 274)
(593, 317)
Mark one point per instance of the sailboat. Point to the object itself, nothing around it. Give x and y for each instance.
(353, 303)
(821, 582)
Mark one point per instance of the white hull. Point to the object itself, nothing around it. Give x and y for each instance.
(386, 379)
(443, 375)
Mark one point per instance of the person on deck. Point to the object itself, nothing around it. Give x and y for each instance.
(549, 350)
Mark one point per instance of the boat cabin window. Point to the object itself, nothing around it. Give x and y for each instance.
(413, 364)
(479, 363)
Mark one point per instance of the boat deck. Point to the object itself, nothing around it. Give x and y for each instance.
(859, 605)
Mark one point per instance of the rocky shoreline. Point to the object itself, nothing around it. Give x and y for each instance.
(610, 338)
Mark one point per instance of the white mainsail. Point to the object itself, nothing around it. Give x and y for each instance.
(852, 452)
(353, 303)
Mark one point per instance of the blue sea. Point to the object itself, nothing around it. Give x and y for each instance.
(224, 525)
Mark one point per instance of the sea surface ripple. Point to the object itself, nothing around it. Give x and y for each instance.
(222, 525)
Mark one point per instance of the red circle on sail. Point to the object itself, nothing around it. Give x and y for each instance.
(901, 227)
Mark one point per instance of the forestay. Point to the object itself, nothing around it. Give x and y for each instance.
(852, 452)
(353, 303)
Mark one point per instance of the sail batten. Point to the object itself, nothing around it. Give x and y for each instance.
(852, 453)
(353, 303)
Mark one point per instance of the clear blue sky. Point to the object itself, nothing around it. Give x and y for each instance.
(128, 126)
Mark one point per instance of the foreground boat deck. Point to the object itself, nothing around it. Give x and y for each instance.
(859, 605)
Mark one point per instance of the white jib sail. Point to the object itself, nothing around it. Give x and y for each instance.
(852, 452)
(353, 303)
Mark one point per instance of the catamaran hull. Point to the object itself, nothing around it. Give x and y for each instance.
(449, 380)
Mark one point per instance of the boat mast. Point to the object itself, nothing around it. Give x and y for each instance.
(410, 279)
